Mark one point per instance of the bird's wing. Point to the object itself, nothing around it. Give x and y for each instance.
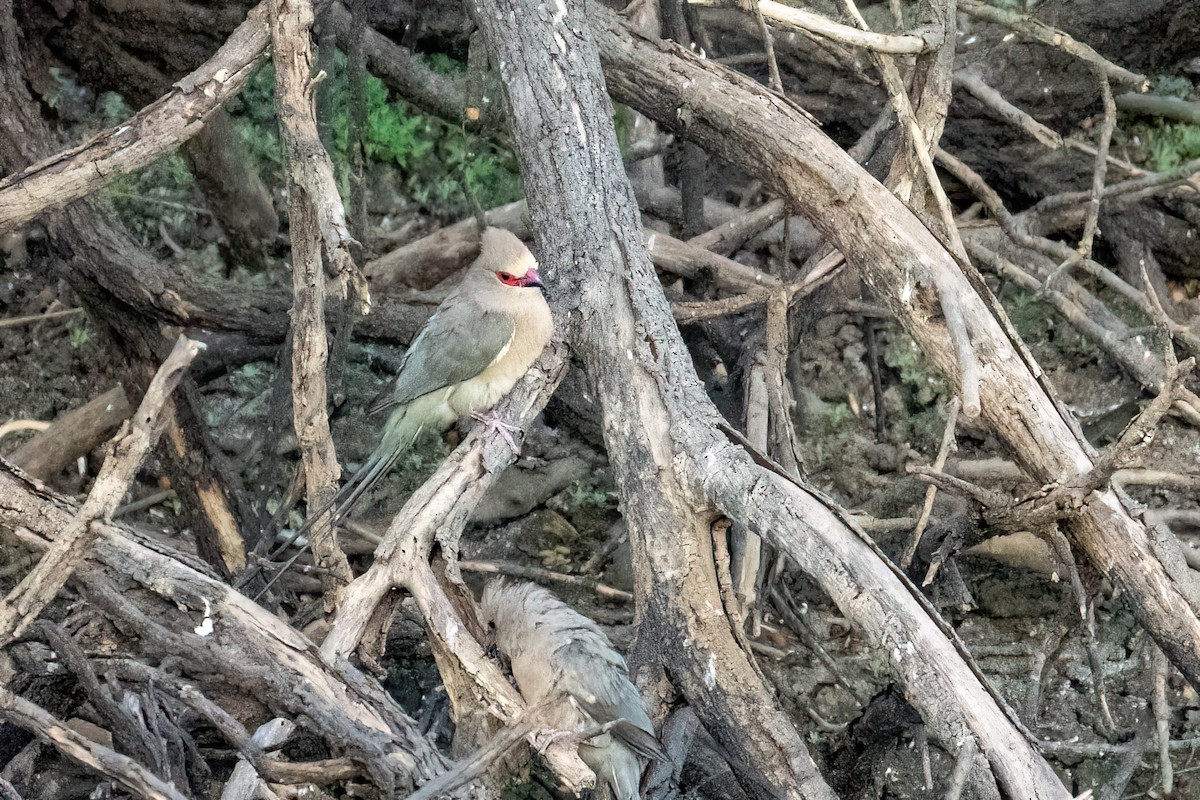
(458, 342)
(601, 689)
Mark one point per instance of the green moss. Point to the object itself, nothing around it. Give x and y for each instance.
(1160, 144)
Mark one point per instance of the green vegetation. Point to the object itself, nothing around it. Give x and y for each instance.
(1159, 144)
(434, 159)
(903, 355)
(152, 197)
(81, 334)
(1169, 144)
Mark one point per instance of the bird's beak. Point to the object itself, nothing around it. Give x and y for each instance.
(532, 278)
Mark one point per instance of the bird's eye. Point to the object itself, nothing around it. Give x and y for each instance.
(504, 276)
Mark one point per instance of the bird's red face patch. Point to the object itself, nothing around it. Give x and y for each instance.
(530, 278)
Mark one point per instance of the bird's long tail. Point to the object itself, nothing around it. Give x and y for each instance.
(401, 430)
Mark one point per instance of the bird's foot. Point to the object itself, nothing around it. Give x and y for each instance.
(496, 425)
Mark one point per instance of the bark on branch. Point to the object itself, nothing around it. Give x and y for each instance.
(178, 609)
(157, 129)
(742, 122)
(318, 227)
(677, 468)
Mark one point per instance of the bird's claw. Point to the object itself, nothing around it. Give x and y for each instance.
(496, 425)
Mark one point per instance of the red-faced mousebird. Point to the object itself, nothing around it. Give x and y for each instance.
(481, 340)
(554, 650)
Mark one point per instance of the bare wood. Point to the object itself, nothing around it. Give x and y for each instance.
(318, 226)
(791, 17)
(1060, 251)
(1156, 105)
(1111, 335)
(690, 261)
(672, 456)
(430, 260)
(973, 82)
(548, 576)
(131, 775)
(897, 254)
(931, 491)
(73, 434)
(155, 130)
(1100, 170)
(33, 319)
(922, 127)
(477, 764)
(38, 588)
(728, 236)
(1162, 721)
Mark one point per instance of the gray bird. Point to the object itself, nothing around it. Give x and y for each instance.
(555, 650)
(481, 340)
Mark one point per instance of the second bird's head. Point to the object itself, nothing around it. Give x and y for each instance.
(508, 260)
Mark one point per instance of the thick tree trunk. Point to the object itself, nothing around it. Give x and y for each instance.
(902, 261)
(676, 467)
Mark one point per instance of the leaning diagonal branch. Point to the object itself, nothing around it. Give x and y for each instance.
(152, 132)
(39, 587)
(131, 775)
(903, 263)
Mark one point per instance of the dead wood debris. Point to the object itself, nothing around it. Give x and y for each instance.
(320, 238)
(25, 602)
(434, 518)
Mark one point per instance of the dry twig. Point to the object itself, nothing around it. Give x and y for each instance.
(892, 43)
(155, 130)
(939, 464)
(973, 82)
(78, 748)
(1051, 36)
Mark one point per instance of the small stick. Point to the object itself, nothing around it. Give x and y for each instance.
(1162, 722)
(1104, 139)
(17, 322)
(1051, 36)
(893, 43)
(617, 533)
(963, 763)
(1109, 727)
(921, 740)
(478, 763)
(538, 574)
(977, 87)
(917, 141)
(774, 81)
(939, 464)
